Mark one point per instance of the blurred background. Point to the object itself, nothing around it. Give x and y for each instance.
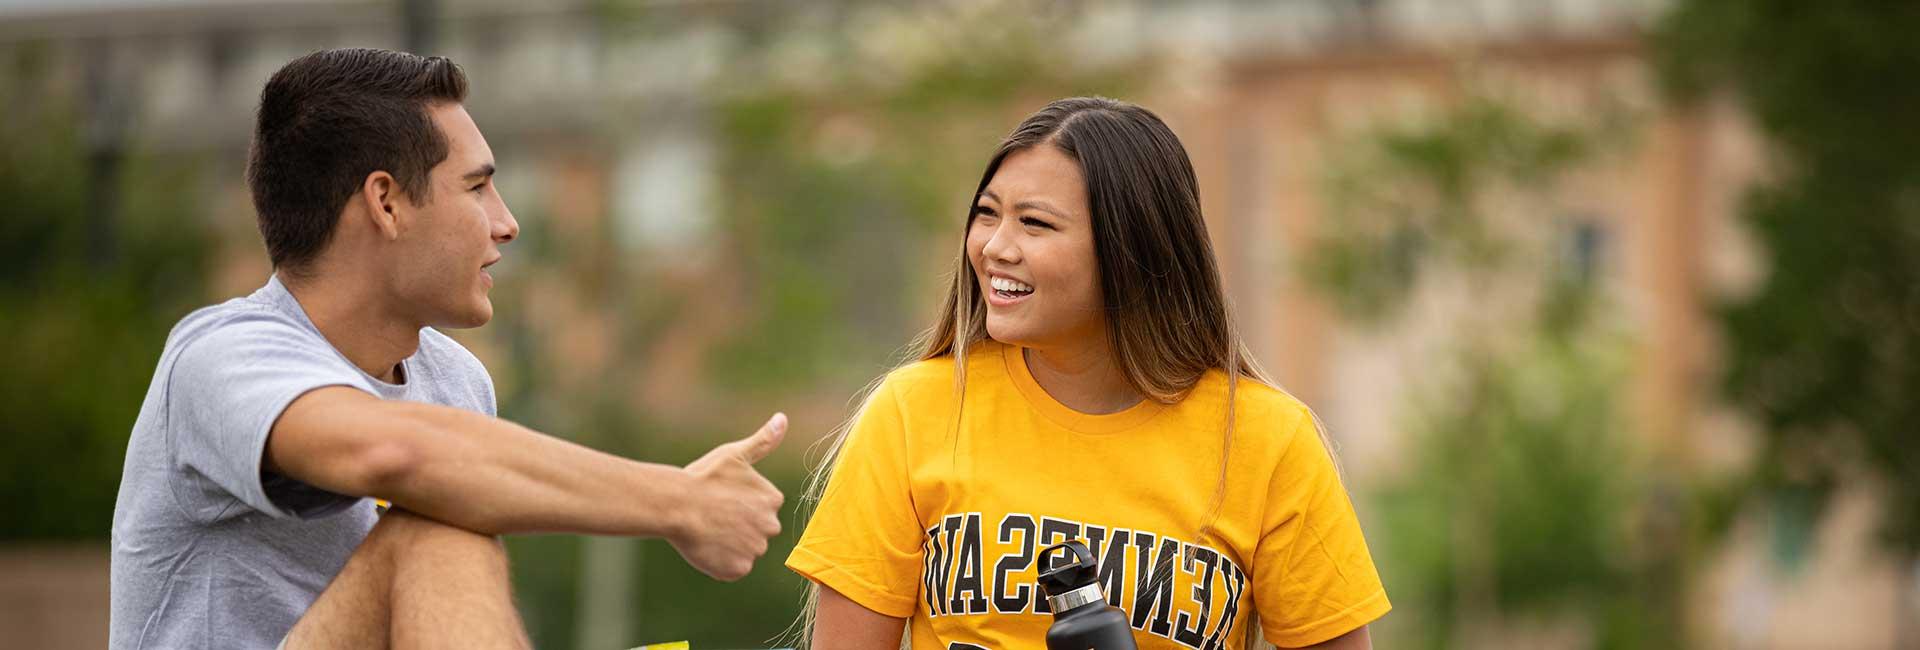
(1611, 307)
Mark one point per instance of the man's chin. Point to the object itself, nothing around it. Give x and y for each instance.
(469, 318)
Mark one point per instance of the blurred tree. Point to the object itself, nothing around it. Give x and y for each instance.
(1524, 484)
(1825, 354)
(844, 178)
(1523, 496)
(86, 302)
(1827, 351)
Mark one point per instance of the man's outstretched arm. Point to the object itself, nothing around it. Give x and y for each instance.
(494, 477)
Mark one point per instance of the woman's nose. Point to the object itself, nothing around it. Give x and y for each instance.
(1002, 245)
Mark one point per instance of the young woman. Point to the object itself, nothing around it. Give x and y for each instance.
(1084, 382)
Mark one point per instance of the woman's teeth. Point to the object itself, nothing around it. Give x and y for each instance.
(1010, 286)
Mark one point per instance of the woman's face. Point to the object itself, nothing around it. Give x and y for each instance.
(1031, 247)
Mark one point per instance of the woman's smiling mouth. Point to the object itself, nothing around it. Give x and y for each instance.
(1005, 291)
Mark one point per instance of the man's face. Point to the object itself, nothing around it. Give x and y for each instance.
(447, 242)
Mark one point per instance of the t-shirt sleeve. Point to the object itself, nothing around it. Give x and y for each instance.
(225, 391)
(864, 540)
(1312, 576)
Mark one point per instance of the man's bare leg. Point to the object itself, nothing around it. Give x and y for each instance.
(416, 583)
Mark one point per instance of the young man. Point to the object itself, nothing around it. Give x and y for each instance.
(242, 520)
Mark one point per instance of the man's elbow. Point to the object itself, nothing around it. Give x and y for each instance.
(408, 468)
(344, 441)
(384, 468)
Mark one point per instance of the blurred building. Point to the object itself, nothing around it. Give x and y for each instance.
(598, 116)
(1654, 223)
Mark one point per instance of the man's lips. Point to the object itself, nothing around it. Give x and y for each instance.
(485, 277)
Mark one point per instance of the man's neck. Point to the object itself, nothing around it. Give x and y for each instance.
(358, 323)
(1084, 378)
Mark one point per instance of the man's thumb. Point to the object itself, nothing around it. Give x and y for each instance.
(765, 440)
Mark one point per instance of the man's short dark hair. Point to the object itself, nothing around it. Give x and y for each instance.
(330, 118)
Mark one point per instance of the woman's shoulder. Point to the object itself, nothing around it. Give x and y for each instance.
(938, 371)
(1272, 402)
(916, 376)
(919, 380)
(1262, 412)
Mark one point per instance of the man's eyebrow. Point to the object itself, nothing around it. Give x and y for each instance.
(484, 170)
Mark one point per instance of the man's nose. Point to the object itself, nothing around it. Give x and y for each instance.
(505, 228)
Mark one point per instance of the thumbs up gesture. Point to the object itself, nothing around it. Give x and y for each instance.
(729, 509)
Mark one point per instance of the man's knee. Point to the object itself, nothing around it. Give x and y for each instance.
(406, 563)
(403, 535)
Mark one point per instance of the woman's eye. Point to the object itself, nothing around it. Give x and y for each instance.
(1030, 221)
(984, 211)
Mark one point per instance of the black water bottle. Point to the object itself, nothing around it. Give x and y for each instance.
(1082, 619)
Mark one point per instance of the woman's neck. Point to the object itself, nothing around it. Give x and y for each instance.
(1085, 379)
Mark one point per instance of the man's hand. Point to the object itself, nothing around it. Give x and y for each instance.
(730, 510)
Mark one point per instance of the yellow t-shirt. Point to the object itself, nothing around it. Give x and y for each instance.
(920, 523)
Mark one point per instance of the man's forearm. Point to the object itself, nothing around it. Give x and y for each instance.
(470, 470)
(493, 476)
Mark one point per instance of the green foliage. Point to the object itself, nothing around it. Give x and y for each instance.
(86, 301)
(1413, 197)
(1528, 454)
(840, 189)
(1523, 484)
(824, 249)
(1825, 354)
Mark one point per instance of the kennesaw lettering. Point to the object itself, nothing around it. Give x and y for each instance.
(1184, 592)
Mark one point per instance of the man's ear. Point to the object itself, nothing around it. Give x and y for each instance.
(381, 196)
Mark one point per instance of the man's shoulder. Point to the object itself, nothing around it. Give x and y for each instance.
(463, 379)
(436, 345)
(233, 321)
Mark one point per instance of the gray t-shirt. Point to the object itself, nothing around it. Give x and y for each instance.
(209, 549)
